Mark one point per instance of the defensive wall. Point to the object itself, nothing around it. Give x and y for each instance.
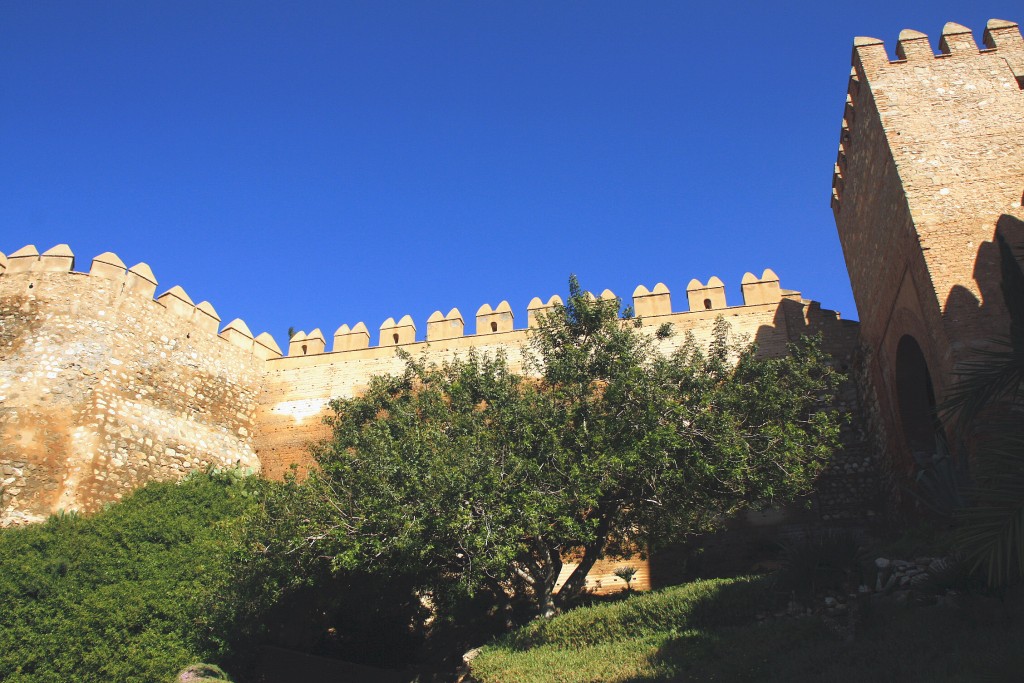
(930, 165)
(104, 387)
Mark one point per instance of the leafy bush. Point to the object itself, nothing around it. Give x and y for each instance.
(475, 478)
(133, 593)
(987, 402)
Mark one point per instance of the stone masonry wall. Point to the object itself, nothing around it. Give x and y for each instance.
(102, 389)
(931, 158)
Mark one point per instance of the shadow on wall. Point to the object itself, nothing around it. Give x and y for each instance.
(989, 316)
(795, 318)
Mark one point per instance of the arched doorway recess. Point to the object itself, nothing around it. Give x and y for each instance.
(916, 400)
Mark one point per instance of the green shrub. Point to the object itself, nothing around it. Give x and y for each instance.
(705, 631)
(133, 593)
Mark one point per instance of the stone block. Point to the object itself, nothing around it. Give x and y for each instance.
(140, 280)
(707, 297)
(205, 317)
(537, 307)
(107, 265)
(657, 301)
(445, 326)
(397, 334)
(177, 302)
(345, 339)
(57, 259)
(23, 260)
(490, 321)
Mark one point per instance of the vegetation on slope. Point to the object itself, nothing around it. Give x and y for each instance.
(133, 593)
(707, 631)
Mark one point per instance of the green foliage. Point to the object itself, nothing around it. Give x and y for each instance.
(301, 598)
(132, 593)
(472, 478)
(626, 573)
(990, 532)
(941, 481)
(700, 604)
(987, 401)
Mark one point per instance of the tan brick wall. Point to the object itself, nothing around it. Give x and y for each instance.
(931, 156)
(102, 389)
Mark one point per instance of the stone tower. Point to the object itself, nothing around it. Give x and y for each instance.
(931, 160)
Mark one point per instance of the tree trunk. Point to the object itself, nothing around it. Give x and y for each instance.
(591, 554)
(544, 568)
(552, 568)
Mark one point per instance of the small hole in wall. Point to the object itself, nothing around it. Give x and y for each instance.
(395, 337)
(494, 327)
(303, 349)
(707, 304)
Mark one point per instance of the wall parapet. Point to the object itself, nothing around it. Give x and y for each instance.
(647, 303)
(140, 281)
(1002, 41)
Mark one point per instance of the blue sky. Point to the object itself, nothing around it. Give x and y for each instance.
(309, 164)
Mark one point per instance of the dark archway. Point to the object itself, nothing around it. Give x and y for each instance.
(916, 399)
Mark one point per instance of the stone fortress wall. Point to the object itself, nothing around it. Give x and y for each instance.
(103, 387)
(297, 387)
(930, 162)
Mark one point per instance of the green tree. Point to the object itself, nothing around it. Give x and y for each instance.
(473, 476)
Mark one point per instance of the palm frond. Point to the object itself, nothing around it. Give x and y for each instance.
(991, 529)
(994, 374)
(1012, 280)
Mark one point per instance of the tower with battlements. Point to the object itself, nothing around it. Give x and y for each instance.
(931, 161)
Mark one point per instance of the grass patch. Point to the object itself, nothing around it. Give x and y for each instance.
(705, 631)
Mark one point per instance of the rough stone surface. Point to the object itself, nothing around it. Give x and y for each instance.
(931, 159)
(102, 390)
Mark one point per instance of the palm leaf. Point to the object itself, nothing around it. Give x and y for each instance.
(991, 529)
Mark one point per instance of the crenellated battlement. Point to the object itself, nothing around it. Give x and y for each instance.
(140, 281)
(1003, 50)
(1001, 38)
(501, 318)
